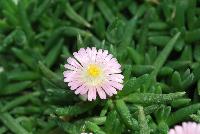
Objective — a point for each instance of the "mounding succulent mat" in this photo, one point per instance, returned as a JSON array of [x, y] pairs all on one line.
[[156, 42]]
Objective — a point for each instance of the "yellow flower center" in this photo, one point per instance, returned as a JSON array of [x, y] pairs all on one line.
[[93, 70]]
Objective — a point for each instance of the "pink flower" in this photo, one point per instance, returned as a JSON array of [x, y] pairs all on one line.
[[186, 128], [93, 71]]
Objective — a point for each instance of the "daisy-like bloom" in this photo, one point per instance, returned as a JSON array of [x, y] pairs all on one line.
[[93, 71], [186, 128]]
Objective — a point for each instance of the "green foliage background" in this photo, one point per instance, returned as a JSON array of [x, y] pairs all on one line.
[[155, 41]]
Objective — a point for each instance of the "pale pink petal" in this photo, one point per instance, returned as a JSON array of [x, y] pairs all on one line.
[[81, 56], [107, 90], [99, 55], [172, 131], [94, 52], [178, 129], [108, 58], [84, 91], [71, 77], [80, 89], [94, 93], [198, 128], [73, 62], [82, 52], [101, 93], [116, 85], [193, 127], [67, 73], [68, 79], [111, 70], [74, 84], [114, 78], [89, 53], [114, 65], [112, 89], [186, 128], [119, 76], [91, 94], [70, 67], [104, 54]]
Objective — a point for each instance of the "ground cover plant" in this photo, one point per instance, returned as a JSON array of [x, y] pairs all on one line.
[[156, 42]]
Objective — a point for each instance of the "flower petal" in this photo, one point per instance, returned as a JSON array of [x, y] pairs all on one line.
[[101, 93], [91, 94]]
